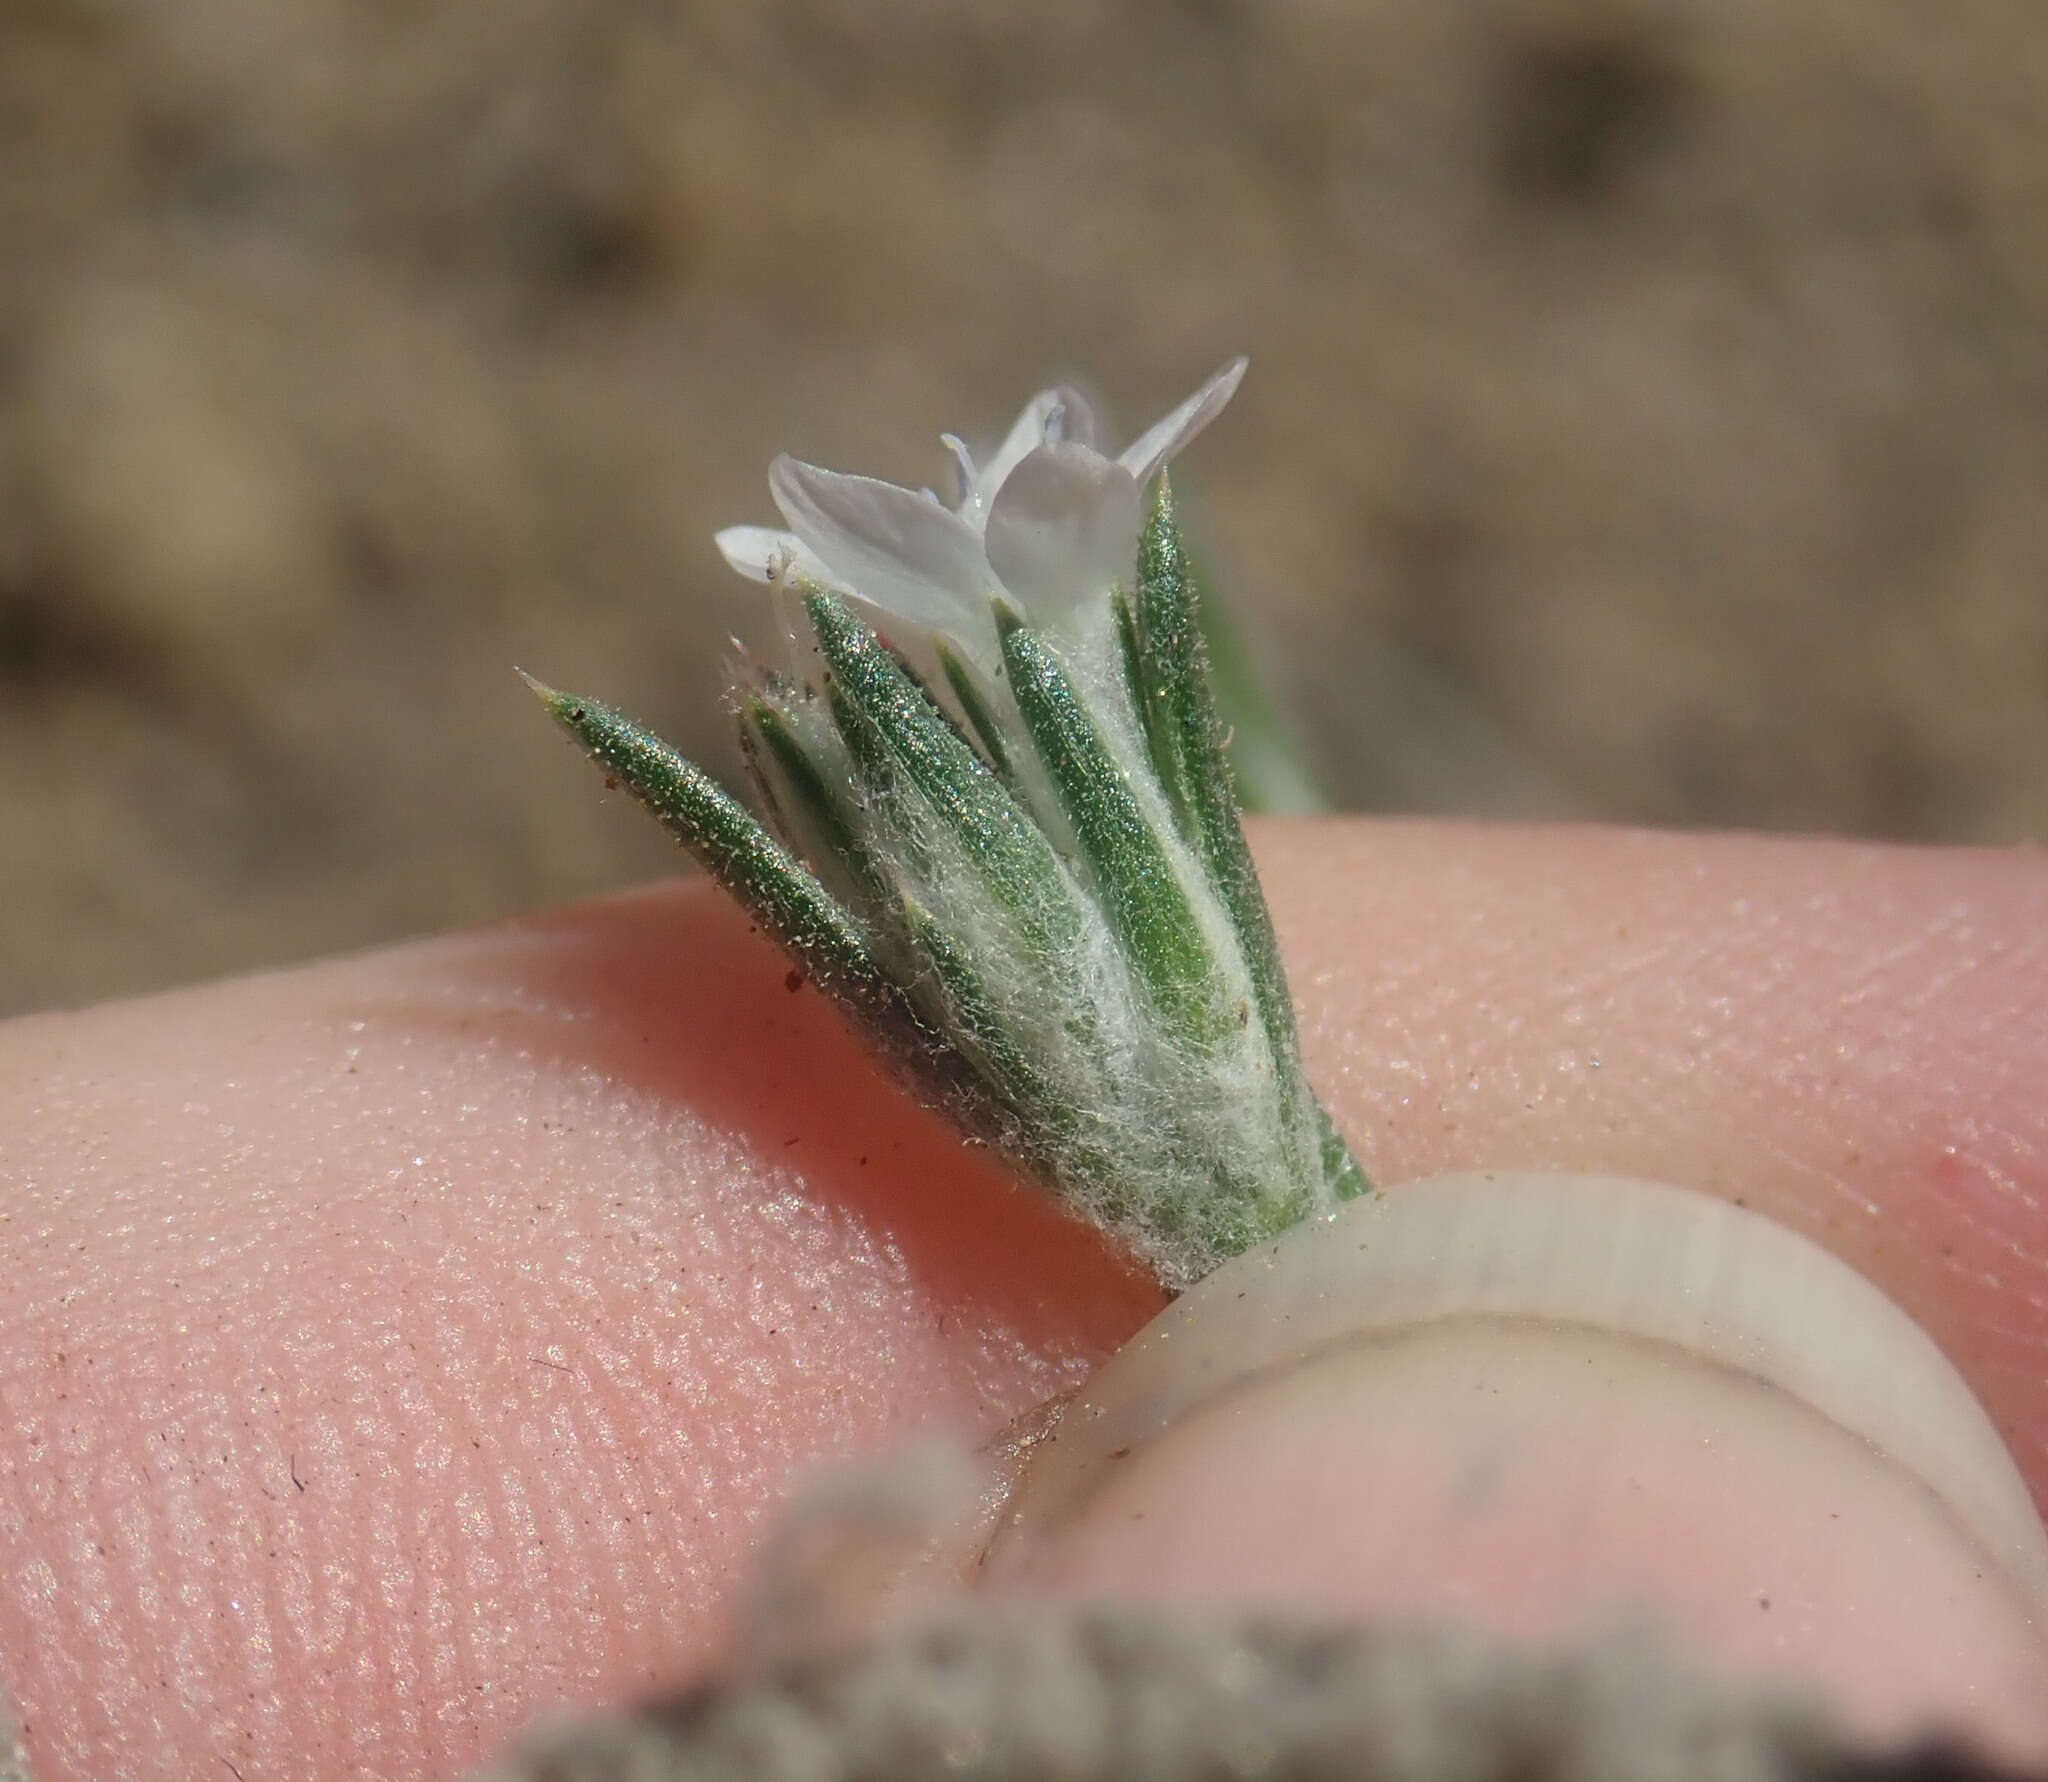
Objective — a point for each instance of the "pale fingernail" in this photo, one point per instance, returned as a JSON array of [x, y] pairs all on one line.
[[1553, 1407]]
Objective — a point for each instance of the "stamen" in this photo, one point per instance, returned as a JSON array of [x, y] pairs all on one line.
[[964, 473]]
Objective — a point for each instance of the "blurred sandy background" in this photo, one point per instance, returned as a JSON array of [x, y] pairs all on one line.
[[1648, 415]]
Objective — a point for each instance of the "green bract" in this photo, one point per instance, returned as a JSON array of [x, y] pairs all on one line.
[[1005, 840]]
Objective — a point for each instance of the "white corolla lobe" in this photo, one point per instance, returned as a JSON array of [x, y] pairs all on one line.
[[1049, 522]]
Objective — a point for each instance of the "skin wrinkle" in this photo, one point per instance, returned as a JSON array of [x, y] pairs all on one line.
[[413, 1249], [569, 1139]]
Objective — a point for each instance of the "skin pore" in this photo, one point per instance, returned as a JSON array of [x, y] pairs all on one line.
[[396, 1348]]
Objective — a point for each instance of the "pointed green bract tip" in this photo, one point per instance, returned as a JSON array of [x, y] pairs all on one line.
[[1162, 501], [564, 708]]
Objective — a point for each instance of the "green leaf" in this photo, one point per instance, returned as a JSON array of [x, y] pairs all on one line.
[[1147, 905], [1049, 1134], [745, 861], [983, 1034], [1178, 711], [983, 721], [885, 713], [815, 810], [1187, 747], [725, 836]]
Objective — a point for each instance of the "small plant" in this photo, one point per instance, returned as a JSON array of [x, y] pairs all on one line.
[[1001, 833]]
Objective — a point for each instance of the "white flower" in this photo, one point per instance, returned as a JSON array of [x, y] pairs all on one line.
[[1035, 898], [1048, 522]]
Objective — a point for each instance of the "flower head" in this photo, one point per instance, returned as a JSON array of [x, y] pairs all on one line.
[[1048, 523], [1030, 890]]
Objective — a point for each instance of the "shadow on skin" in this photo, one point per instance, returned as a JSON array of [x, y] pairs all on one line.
[[672, 997]]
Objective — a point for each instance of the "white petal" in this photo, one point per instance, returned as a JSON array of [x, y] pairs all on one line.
[[1076, 424], [965, 475], [1063, 528], [1160, 443], [758, 552], [899, 551]]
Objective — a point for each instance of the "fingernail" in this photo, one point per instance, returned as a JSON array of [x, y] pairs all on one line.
[[1557, 1407]]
